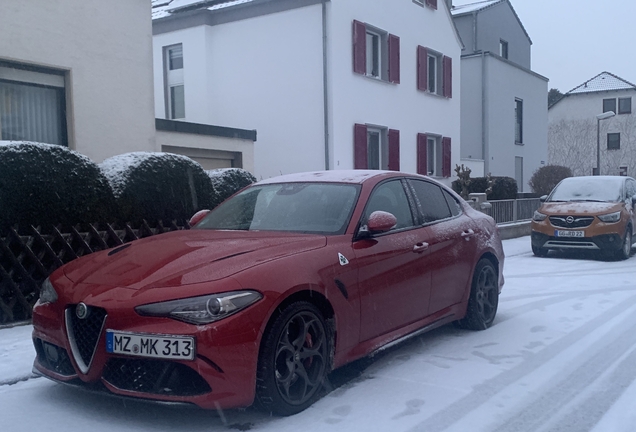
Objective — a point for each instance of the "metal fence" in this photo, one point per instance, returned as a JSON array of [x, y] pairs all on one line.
[[513, 210]]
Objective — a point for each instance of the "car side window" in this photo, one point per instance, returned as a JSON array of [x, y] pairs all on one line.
[[454, 206], [391, 197], [432, 201], [631, 188]]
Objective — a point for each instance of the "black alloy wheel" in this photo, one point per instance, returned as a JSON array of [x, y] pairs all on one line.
[[484, 297], [294, 360]]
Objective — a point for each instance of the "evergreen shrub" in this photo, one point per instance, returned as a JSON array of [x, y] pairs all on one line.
[[45, 185], [547, 177], [158, 186], [228, 181]]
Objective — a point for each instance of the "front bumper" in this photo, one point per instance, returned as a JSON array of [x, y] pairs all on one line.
[[606, 242], [222, 375]]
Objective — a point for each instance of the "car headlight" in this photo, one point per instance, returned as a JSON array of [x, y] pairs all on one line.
[[201, 310], [47, 292], [538, 217], [611, 218]]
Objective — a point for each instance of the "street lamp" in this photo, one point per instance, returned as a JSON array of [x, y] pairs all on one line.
[[605, 115]]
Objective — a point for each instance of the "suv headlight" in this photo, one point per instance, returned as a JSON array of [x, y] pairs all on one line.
[[47, 292], [201, 310], [538, 217], [611, 217]]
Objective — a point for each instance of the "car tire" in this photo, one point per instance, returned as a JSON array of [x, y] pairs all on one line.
[[484, 297], [294, 360], [626, 248], [539, 251]]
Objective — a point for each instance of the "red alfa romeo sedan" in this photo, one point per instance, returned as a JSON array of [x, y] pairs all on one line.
[[286, 280]]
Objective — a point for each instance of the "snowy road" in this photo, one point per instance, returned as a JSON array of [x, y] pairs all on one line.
[[561, 356]]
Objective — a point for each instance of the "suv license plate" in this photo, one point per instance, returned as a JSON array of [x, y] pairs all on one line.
[[150, 345], [559, 233]]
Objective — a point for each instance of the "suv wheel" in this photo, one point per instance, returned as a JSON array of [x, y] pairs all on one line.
[[626, 249]]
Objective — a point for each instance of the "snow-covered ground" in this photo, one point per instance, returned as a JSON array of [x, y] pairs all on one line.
[[561, 356]]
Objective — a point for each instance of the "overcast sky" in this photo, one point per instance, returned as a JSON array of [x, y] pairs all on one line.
[[574, 40]]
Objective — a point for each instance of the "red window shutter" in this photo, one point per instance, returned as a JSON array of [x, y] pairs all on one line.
[[448, 77], [432, 3], [446, 157], [360, 147], [394, 59], [394, 150], [422, 160], [422, 75], [359, 47]]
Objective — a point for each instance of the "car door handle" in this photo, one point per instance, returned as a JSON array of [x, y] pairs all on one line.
[[420, 247], [466, 234]]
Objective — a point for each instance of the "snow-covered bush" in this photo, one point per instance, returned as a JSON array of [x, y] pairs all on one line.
[[547, 177], [158, 186], [496, 188], [44, 184], [228, 181]]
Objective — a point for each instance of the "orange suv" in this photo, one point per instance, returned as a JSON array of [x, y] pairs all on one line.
[[593, 213]]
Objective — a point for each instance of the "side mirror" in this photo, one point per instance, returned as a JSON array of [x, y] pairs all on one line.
[[197, 217], [380, 222], [543, 198]]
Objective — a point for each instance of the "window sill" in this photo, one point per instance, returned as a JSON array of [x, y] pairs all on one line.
[[378, 79], [519, 143]]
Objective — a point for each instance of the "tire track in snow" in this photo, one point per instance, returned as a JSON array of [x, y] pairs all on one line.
[[547, 408], [485, 391]]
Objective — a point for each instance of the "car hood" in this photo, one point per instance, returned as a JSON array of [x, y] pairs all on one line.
[[186, 257], [579, 208]]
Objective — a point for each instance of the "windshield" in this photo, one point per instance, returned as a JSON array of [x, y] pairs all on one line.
[[605, 189], [294, 207]]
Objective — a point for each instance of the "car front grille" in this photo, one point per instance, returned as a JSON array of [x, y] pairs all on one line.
[[84, 334], [154, 377], [53, 358], [571, 221]]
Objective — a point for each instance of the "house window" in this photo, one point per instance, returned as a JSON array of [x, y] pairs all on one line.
[[175, 90], [32, 104], [433, 66], [374, 56], [609, 105], [518, 121], [503, 48], [376, 148], [613, 141], [376, 53], [434, 72], [625, 105], [431, 3], [433, 155]]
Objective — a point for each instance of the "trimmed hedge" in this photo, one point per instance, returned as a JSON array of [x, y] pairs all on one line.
[[501, 188], [158, 186], [547, 177], [228, 181], [44, 184]]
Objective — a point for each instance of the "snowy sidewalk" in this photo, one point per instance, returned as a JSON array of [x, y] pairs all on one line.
[[16, 354]]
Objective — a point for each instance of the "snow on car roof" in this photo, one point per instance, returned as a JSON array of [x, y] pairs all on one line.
[[332, 176]]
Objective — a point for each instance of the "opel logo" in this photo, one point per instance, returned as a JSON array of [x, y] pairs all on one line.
[[569, 219], [81, 310]]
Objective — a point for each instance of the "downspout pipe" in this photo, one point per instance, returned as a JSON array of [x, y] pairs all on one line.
[[325, 82]]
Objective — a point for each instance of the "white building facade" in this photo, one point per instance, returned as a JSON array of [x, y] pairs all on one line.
[[328, 84], [581, 126], [504, 103]]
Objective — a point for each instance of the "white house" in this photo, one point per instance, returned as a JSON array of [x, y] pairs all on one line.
[[79, 74], [504, 103], [582, 129], [328, 84]]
